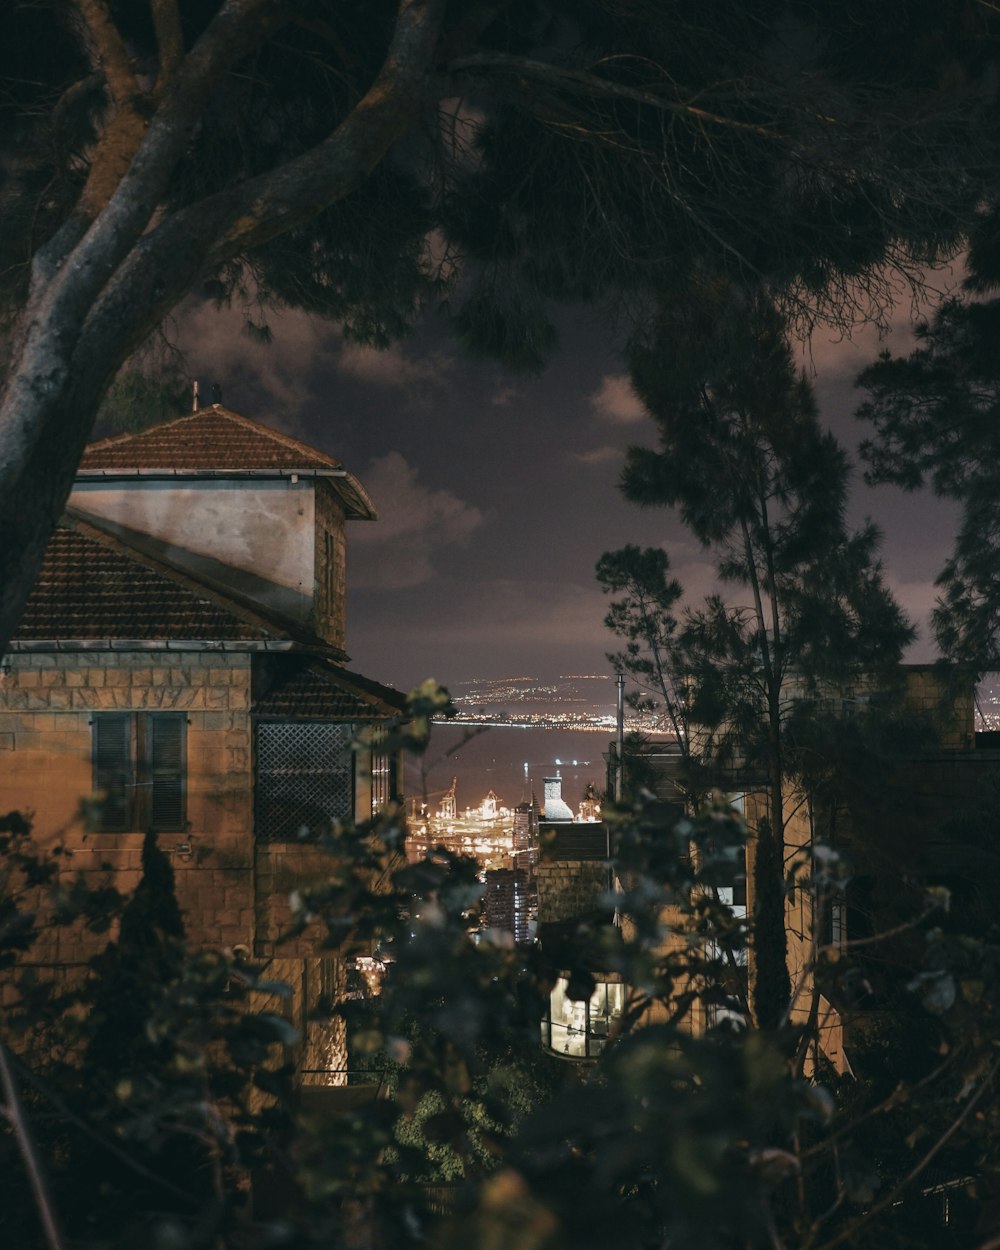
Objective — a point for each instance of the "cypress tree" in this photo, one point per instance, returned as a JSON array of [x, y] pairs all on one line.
[[132, 972]]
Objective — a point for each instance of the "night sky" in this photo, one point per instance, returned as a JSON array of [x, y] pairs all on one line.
[[497, 492]]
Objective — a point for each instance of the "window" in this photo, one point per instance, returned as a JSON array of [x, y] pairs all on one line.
[[140, 763], [383, 772], [580, 1030], [329, 572], [305, 778]]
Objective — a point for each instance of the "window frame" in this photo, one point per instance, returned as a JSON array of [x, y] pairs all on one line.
[[134, 771]]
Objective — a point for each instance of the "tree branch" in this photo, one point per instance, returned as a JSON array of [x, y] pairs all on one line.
[[13, 1112], [110, 52], [887, 1199], [63, 293], [169, 40], [204, 235], [592, 84]]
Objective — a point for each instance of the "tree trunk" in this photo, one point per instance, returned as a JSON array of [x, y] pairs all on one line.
[[99, 288]]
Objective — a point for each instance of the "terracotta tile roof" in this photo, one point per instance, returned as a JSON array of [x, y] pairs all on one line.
[[89, 589], [320, 691], [213, 438]]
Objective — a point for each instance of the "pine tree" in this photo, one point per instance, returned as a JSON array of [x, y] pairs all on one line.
[[935, 420], [743, 460]]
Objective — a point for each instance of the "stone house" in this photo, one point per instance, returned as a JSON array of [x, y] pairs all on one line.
[[180, 668]]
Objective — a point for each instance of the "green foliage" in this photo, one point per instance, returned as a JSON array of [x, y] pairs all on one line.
[[744, 462], [934, 414], [644, 618], [587, 171], [144, 393], [712, 1136]]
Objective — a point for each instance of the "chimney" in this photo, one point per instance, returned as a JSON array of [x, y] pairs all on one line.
[[554, 808], [194, 396]]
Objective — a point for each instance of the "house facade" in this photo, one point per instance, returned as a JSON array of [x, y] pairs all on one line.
[[180, 668]]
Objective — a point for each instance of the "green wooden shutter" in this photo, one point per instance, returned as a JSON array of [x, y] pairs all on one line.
[[113, 775], [166, 765]]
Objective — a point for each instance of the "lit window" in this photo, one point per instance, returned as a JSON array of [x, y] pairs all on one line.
[[383, 772], [580, 1030]]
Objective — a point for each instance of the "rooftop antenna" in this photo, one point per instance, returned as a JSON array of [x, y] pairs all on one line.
[[194, 396]]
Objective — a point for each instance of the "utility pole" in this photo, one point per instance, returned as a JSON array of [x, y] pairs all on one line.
[[620, 750]]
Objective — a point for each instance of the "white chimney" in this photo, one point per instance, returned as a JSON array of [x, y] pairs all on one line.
[[554, 808]]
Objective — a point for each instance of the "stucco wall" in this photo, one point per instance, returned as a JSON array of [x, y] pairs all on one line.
[[266, 530]]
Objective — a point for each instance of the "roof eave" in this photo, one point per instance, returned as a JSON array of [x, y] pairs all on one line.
[[357, 502], [149, 644]]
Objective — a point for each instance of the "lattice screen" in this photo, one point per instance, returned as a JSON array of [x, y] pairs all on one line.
[[305, 778]]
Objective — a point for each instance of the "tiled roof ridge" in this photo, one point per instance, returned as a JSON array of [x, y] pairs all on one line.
[[264, 431], [367, 687], [243, 612], [305, 691]]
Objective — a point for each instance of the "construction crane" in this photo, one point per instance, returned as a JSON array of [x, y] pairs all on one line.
[[449, 802]]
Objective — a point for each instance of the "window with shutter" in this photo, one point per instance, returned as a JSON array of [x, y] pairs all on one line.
[[166, 758], [140, 766], [114, 774]]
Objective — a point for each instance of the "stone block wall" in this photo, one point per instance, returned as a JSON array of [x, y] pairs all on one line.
[[953, 715], [569, 888], [231, 892], [281, 869], [329, 588], [46, 704]]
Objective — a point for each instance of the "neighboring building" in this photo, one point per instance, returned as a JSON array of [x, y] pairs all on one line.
[[926, 821], [181, 661], [506, 903], [574, 880], [525, 833]]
